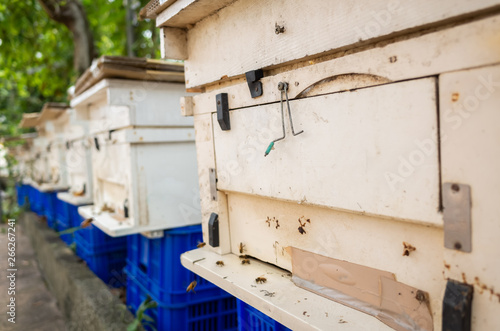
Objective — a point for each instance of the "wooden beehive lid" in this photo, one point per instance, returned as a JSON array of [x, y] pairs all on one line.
[[29, 120], [51, 111], [128, 68], [181, 14]]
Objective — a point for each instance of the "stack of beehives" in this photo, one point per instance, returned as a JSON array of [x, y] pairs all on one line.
[[346, 152]]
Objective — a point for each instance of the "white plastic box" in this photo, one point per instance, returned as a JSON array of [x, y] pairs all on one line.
[[143, 157], [367, 208]]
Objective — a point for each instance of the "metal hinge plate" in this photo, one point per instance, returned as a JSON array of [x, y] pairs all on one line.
[[213, 184], [457, 217]]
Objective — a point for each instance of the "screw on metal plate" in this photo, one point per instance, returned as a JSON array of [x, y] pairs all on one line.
[[213, 183], [283, 87], [457, 216]]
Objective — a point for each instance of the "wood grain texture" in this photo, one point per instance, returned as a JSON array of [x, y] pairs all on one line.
[[370, 151], [465, 46], [241, 36], [470, 155]]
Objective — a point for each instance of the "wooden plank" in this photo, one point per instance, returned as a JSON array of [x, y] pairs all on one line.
[[218, 49], [206, 161], [470, 155], [469, 45], [368, 241], [183, 13], [373, 150], [173, 44], [128, 68], [279, 298]]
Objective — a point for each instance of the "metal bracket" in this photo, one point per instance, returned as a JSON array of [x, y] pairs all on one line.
[[253, 81], [110, 132], [213, 183], [213, 230], [457, 306], [456, 215], [96, 143], [223, 111], [125, 208]]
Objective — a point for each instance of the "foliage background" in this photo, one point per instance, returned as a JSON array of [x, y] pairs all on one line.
[[36, 64], [36, 53]]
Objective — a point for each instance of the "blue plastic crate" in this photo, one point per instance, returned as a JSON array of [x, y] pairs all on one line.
[[212, 314], [61, 212], [35, 200], [108, 265], [22, 194], [49, 208], [156, 263], [251, 319]]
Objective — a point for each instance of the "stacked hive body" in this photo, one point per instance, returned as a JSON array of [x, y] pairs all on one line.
[[338, 144], [145, 190], [143, 157], [79, 172], [48, 169]]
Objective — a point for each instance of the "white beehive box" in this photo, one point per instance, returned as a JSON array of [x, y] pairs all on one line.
[[112, 104], [143, 157], [53, 121], [23, 153], [397, 127], [37, 172], [78, 162]]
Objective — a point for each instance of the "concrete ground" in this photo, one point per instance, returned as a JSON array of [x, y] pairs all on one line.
[[36, 307]]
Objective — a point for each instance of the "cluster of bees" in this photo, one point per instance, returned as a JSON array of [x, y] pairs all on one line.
[[244, 260]]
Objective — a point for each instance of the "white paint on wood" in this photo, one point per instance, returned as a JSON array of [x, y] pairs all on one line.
[[191, 11], [113, 104], [470, 118], [465, 46], [157, 177], [173, 43], [279, 298], [241, 36], [370, 151], [187, 106]]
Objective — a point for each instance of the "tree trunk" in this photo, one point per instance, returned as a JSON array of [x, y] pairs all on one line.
[[72, 14]]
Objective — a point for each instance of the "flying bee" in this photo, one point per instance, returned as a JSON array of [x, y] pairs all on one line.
[[191, 286], [268, 221], [200, 245], [242, 248], [220, 263], [277, 224], [260, 280], [86, 222], [245, 261]]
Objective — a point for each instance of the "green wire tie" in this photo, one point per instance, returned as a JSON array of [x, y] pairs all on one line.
[[269, 148]]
